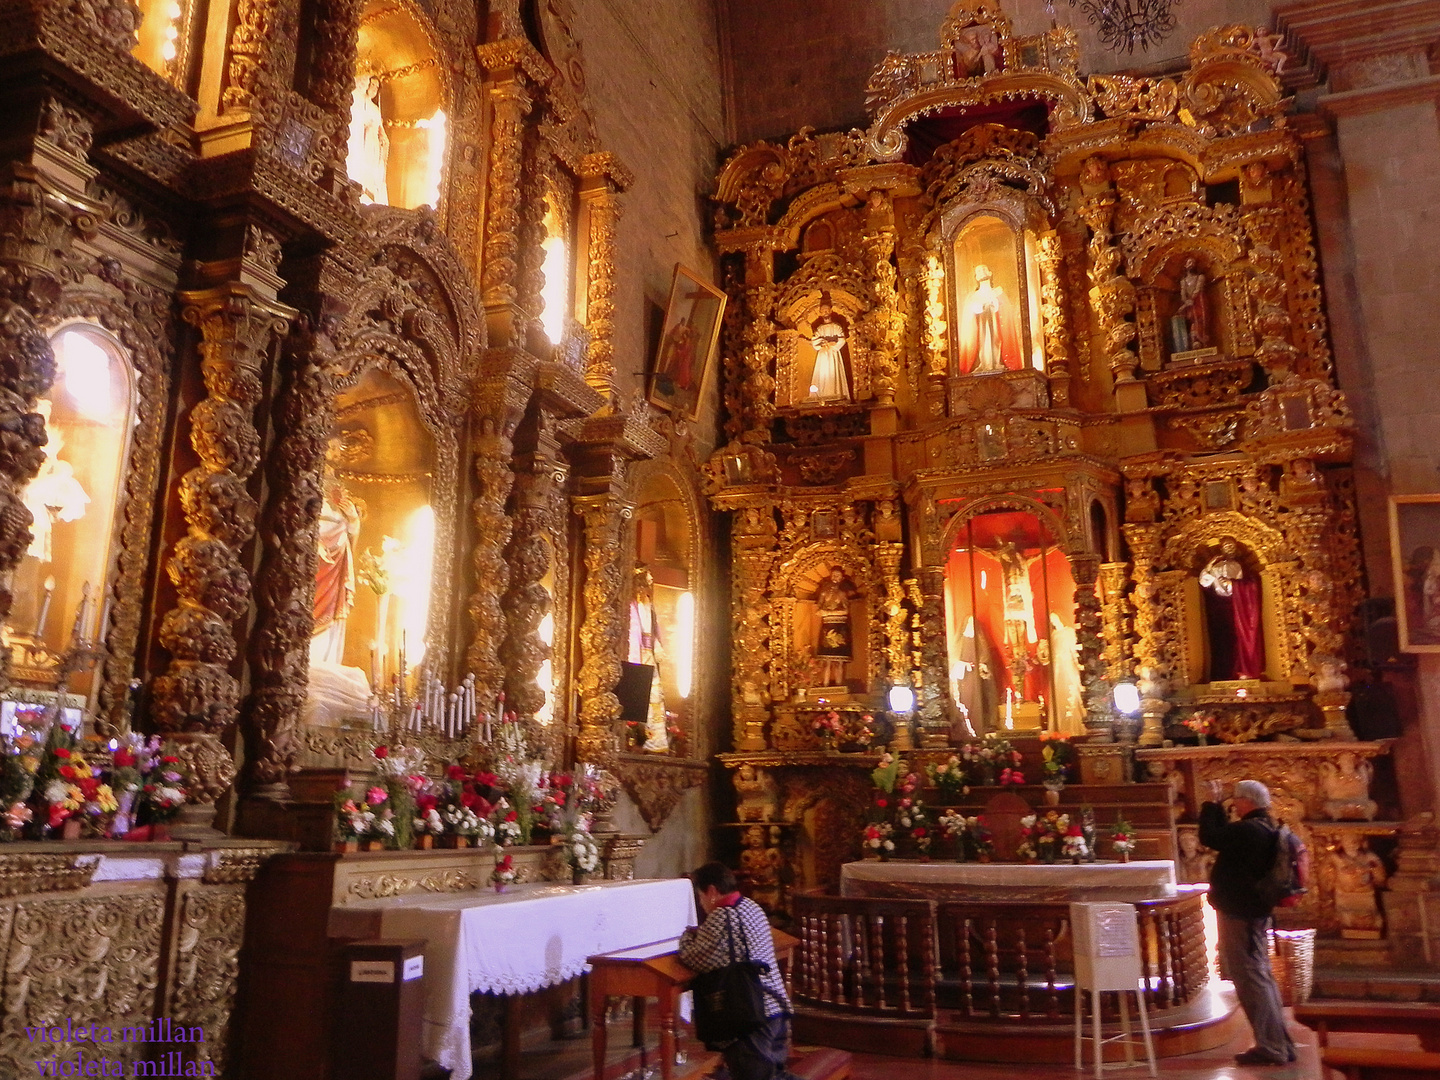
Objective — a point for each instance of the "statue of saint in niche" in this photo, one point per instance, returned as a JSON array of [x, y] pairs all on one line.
[[1232, 617], [835, 643], [827, 379], [340, 518], [1190, 325], [645, 648], [1355, 873], [55, 494], [368, 152], [989, 328]]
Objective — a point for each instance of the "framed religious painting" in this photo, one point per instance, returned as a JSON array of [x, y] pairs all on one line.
[[1415, 548], [687, 342]]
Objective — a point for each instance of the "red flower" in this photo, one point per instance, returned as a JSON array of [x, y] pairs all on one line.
[[919, 831], [169, 761], [67, 771], [512, 816], [455, 772], [882, 802], [382, 752], [124, 758], [424, 804], [61, 752]]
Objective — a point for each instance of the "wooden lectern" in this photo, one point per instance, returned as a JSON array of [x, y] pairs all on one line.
[[648, 971]]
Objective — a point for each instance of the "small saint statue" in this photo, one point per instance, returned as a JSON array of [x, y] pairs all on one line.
[[835, 645], [1232, 616], [1190, 326], [827, 378]]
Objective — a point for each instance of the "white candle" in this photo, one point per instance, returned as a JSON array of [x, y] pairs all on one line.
[[45, 606], [1009, 708]]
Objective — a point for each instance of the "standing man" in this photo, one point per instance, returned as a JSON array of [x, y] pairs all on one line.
[[1246, 849], [761, 1054]]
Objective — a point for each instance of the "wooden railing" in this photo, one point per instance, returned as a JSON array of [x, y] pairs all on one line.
[[1007, 962]]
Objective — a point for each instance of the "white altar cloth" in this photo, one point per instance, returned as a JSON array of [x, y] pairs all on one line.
[[524, 939], [1149, 879]]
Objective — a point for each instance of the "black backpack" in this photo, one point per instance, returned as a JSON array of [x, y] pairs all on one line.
[[729, 1001], [1288, 878]]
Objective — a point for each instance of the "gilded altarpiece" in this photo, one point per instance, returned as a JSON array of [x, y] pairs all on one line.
[[1028, 393]]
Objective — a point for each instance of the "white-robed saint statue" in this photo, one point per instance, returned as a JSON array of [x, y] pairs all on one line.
[[989, 328], [827, 378], [368, 152]]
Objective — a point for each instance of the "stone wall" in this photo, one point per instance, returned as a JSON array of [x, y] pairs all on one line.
[[654, 86]]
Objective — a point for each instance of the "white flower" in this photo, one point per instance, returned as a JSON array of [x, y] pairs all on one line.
[[889, 845]]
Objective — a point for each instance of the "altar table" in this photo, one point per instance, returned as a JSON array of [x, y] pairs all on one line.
[[519, 941], [1150, 879]]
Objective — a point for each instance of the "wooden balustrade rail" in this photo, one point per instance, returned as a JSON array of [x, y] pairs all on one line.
[[1010, 962]]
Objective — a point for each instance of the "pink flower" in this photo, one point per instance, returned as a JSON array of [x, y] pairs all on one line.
[[376, 795]]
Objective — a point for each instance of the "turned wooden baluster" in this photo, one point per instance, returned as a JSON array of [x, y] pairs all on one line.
[[932, 967], [877, 960], [902, 959], [862, 959], [836, 952], [1022, 971], [1168, 973], [1147, 971], [967, 969], [1052, 998], [992, 965], [823, 957], [808, 948]]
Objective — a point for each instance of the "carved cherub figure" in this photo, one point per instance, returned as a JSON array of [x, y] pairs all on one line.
[[755, 792], [1346, 785]]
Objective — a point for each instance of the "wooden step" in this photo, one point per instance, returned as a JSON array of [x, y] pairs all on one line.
[[1362, 1063]]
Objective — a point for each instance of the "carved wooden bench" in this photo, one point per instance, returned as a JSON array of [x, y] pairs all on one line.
[[1376, 1017], [1362, 1063]]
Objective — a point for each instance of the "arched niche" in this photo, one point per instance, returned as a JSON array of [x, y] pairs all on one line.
[[62, 587], [821, 361], [991, 255], [826, 610], [1011, 624], [662, 648], [1232, 616], [1264, 563], [400, 109], [376, 576]]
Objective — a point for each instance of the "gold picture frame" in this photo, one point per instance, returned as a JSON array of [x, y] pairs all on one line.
[[1415, 554], [687, 343]]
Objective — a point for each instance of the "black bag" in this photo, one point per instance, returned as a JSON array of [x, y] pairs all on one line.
[[729, 1001], [1288, 878]]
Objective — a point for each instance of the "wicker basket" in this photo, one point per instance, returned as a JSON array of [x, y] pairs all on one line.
[[1292, 959]]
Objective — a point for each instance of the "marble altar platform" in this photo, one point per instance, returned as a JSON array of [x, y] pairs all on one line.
[[1031, 883]]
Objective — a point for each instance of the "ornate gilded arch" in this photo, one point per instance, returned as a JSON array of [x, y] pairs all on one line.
[[140, 319], [1069, 539]]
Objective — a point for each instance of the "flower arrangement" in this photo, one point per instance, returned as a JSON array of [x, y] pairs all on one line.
[[1011, 777], [948, 777], [911, 817], [504, 872], [982, 840], [990, 755], [521, 775], [953, 825], [1056, 756], [827, 727], [1122, 838], [506, 824], [1041, 833], [879, 838], [582, 851], [1202, 724]]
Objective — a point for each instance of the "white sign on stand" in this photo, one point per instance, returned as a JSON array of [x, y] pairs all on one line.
[[1107, 958]]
